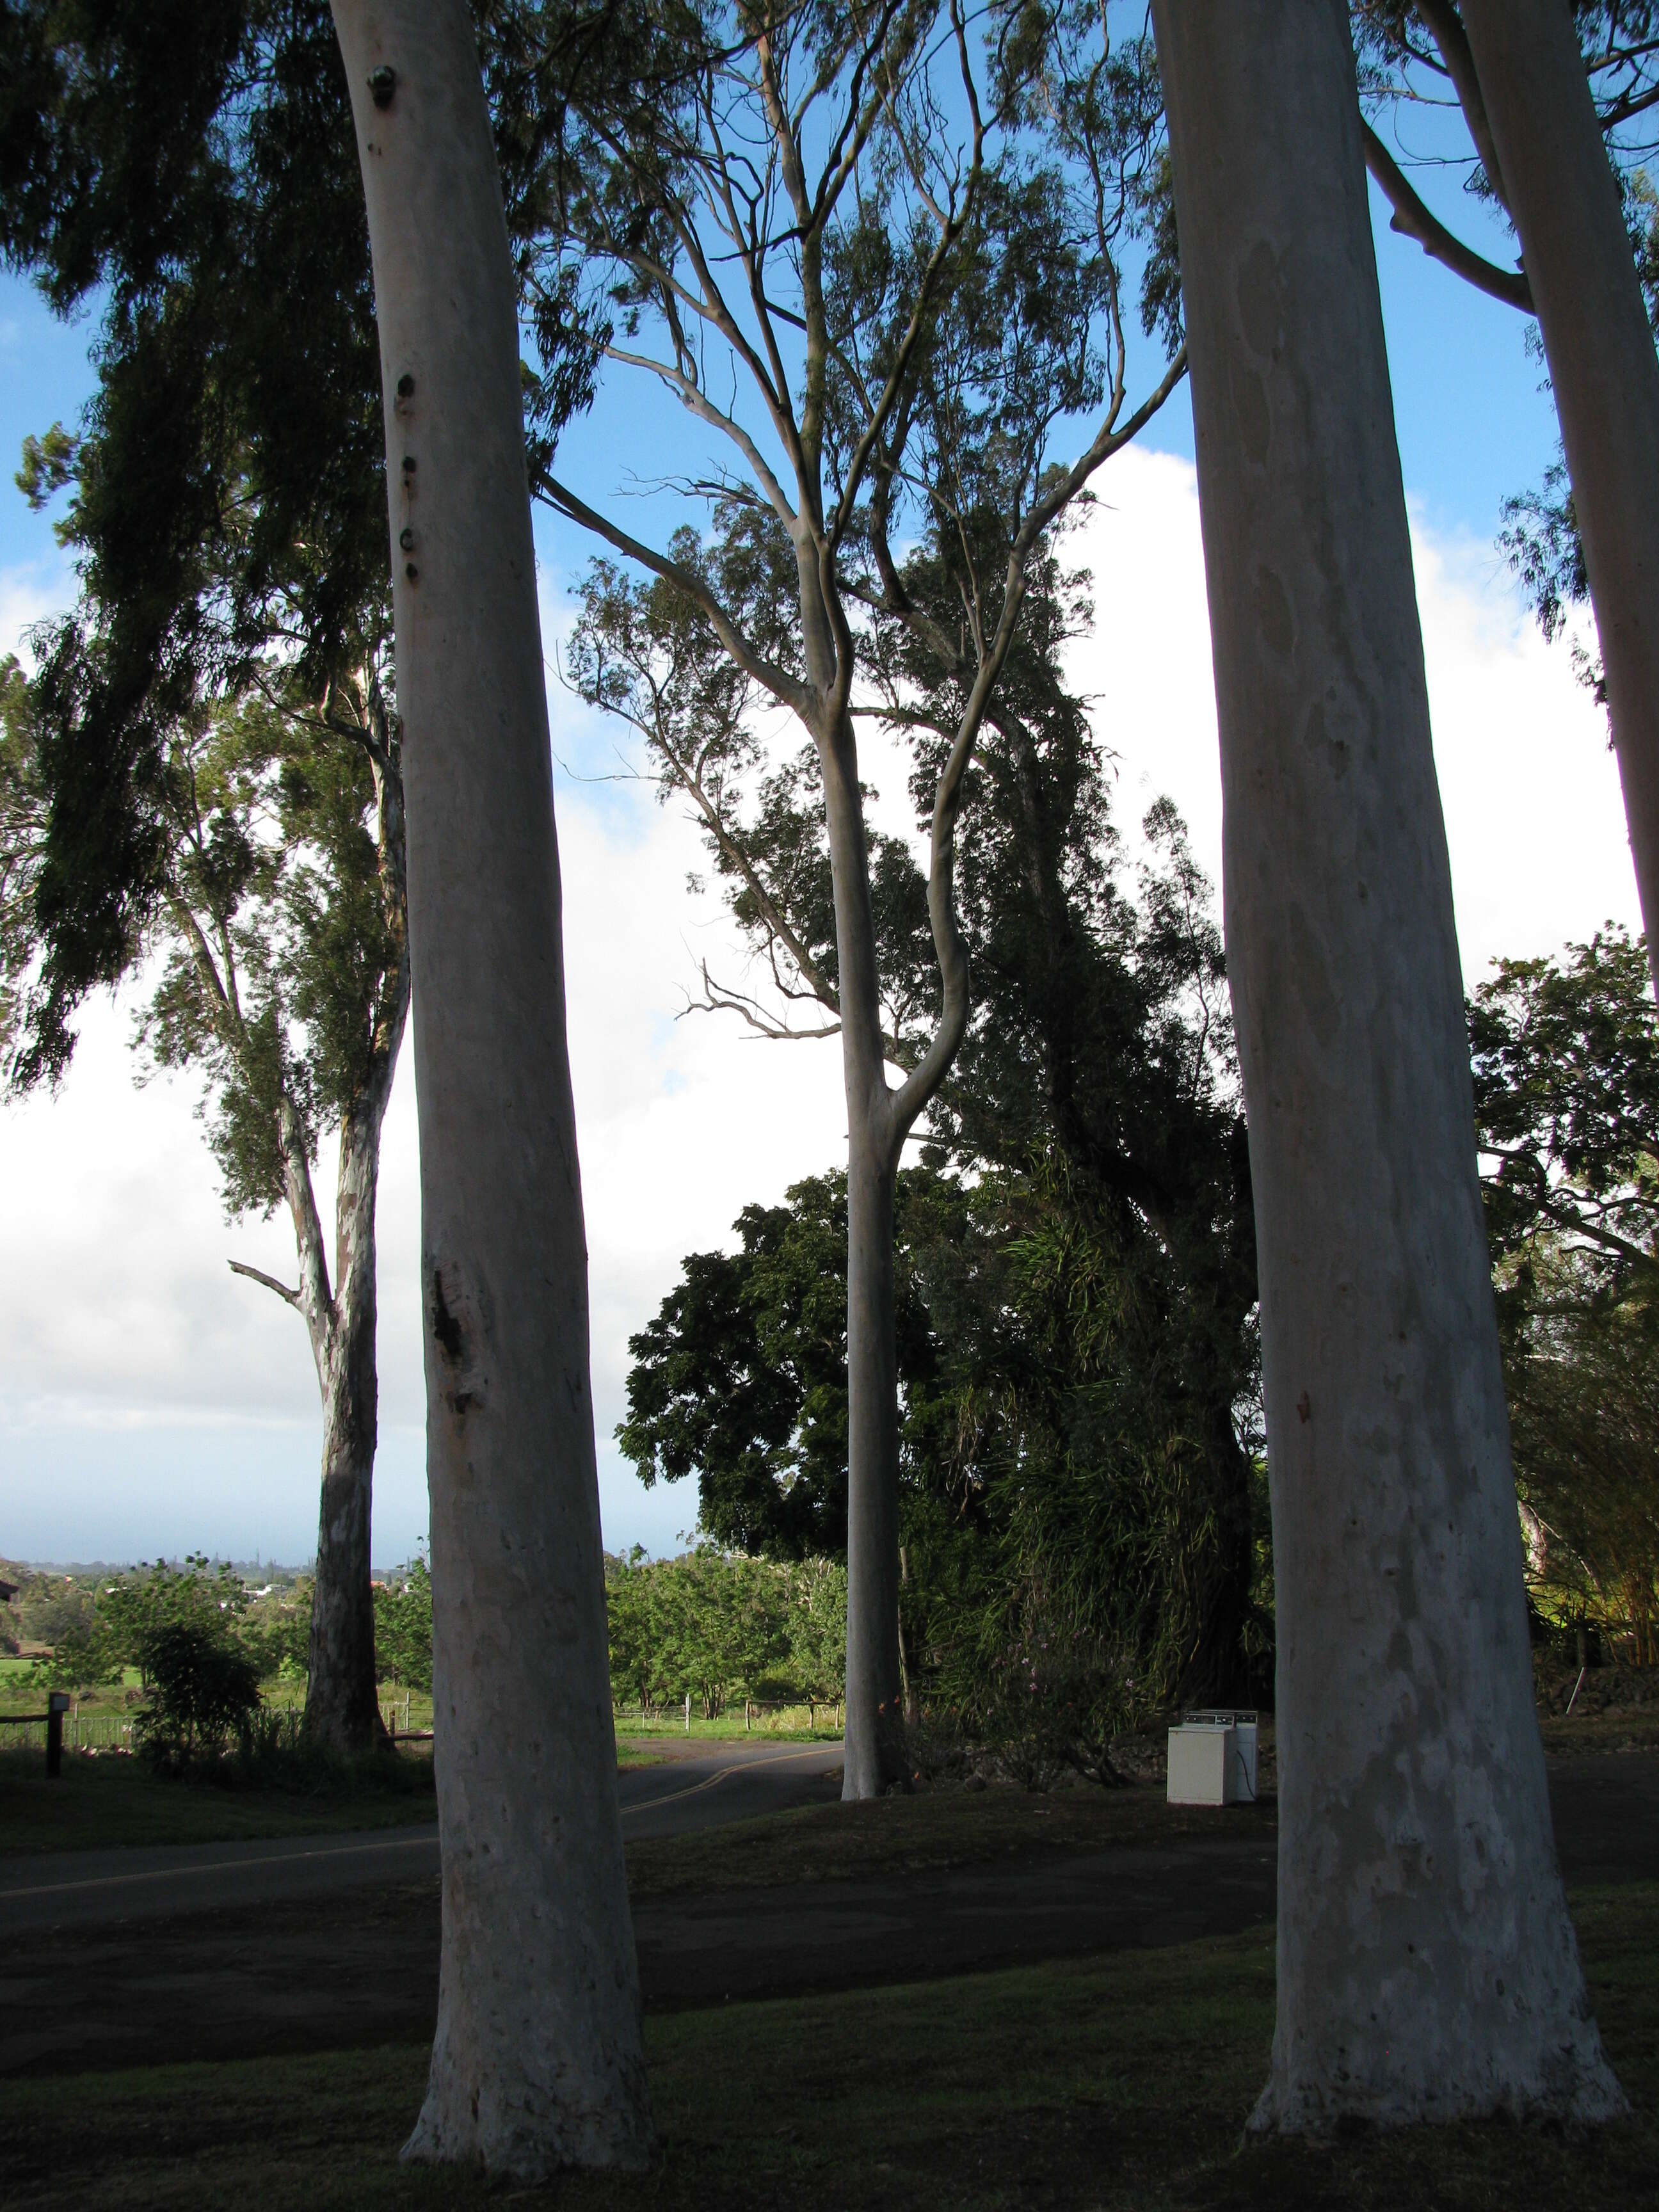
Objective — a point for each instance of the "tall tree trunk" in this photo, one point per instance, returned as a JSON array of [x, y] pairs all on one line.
[[1564, 201], [342, 1707], [537, 2061], [873, 1743], [1427, 1965]]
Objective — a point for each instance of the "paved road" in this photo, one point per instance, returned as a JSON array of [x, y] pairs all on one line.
[[703, 1787]]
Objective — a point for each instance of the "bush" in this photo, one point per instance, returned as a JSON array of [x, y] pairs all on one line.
[[403, 1627], [204, 1694]]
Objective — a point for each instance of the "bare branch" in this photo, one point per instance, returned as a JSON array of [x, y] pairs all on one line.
[[717, 999], [1411, 219], [696, 401], [257, 1275], [778, 681]]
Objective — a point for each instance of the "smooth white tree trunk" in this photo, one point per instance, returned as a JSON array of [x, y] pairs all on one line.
[[538, 2062], [1565, 203], [1427, 1968]]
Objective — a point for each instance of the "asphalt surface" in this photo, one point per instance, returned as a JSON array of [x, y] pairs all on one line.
[[703, 1787]]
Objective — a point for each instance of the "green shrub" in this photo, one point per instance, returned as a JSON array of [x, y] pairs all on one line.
[[204, 1693]]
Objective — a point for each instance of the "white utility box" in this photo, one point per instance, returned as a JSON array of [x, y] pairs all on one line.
[[1212, 1760]]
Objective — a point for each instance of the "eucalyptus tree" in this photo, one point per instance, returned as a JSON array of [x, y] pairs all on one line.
[[213, 771], [836, 216], [279, 915], [537, 2060], [1552, 95], [1427, 1966], [198, 163]]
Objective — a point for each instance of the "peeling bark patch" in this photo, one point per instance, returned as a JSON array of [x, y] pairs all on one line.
[[1304, 1408]]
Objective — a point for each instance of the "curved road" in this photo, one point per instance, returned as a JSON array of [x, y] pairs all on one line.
[[704, 1786]]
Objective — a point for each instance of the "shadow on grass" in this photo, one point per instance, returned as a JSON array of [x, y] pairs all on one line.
[[102, 1801], [1117, 2082]]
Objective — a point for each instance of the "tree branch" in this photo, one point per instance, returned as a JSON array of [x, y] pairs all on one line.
[[1445, 26], [778, 681], [257, 1275], [1412, 220], [718, 1000]]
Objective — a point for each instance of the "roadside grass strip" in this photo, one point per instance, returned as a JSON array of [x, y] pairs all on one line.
[[1113, 2081], [101, 1803]]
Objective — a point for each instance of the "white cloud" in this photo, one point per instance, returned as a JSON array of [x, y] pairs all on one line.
[[1534, 816], [148, 1399]]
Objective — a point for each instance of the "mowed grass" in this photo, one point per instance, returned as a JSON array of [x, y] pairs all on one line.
[[1114, 2083], [103, 1802], [930, 1832]]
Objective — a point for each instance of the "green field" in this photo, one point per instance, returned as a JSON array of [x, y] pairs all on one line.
[[1119, 2082]]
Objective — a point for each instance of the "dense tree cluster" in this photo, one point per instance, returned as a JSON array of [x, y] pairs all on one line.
[[709, 1626]]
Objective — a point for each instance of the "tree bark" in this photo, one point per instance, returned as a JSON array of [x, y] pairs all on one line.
[[537, 2061], [342, 1707], [1564, 202], [1427, 1968], [873, 1749]]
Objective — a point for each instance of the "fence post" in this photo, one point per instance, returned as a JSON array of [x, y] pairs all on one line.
[[56, 1706]]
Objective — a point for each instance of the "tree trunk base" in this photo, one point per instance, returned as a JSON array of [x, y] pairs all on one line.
[[529, 2132], [1568, 2085]]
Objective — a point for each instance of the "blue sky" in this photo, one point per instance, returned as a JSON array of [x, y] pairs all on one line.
[[148, 1404]]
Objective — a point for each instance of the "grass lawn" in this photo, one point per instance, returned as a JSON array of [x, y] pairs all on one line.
[[1120, 2081], [928, 1833], [1617, 1731], [97, 1804]]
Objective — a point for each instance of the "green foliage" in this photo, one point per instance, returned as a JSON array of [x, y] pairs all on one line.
[[197, 171], [1565, 1057], [817, 1629], [1076, 1286], [99, 1628], [711, 1625], [203, 1691], [192, 170], [284, 927], [741, 1378], [402, 1627]]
